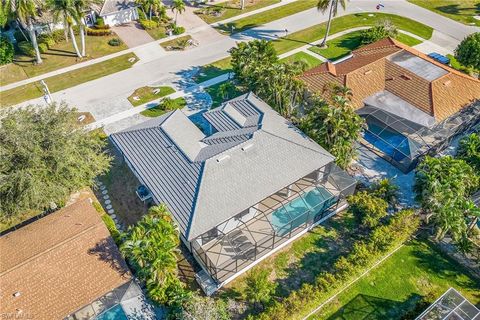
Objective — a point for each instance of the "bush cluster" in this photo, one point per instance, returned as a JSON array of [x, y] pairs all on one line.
[[367, 208], [398, 229], [115, 42], [177, 30], [98, 32], [26, 48], [6, 51], [148, 24], [380, 31], [46, 39]]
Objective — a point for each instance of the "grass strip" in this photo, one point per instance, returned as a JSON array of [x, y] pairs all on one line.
[[462, 11], [66, 80], [213, 70], [147, 94], [230, 9], [267, 16], [176, 44], [156, 111], [309, 60]]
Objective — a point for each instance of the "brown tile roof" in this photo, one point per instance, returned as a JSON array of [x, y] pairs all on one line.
[[440, 98], [59, 264]]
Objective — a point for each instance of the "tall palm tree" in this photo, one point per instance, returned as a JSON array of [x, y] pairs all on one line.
[[178, 6], [65, 11], [332, 5], [25, 11], [242, 4], [81, 7]]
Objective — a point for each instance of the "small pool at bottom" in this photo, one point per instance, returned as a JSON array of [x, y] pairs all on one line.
[[392, 143], [114, 313], [318, 199]]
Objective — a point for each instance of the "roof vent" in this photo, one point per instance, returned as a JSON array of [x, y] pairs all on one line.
[[223, 158], [247, 147], [367, 72], [17, 294], [405, 77], [447, 83]]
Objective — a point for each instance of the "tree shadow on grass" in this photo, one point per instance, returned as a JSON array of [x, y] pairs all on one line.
[[364, 307], [457, 10], [58, 52]]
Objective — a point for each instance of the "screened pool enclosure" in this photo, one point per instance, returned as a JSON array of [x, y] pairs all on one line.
[[403, 142], [238, 242]]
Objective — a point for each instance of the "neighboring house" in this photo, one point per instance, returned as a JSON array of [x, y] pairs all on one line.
[[246, 185], [451, 306], [65, 265], [115, 12], [412, 104]]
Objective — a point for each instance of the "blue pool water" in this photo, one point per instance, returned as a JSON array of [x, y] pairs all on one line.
[[312, 200], [115, 313], [392, 143]]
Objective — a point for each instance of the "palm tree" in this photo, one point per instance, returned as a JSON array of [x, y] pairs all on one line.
[[25, 11], [242, 4], [178, 6], [151, 247], [81, 7], [322, 6], [224, 89], [65, 11]]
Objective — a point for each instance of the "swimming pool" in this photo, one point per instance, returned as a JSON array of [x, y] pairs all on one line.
[[295, 211], [390, 142], [114, 313]]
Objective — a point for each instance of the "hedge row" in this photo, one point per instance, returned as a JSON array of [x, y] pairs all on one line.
[[98, 32], [365, 253]]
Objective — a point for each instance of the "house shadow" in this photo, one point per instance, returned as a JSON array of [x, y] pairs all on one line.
[[366, 307]]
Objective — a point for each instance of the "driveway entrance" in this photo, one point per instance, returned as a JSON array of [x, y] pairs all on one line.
[[132, 34]]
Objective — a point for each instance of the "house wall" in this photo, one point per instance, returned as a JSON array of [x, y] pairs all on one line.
[[408, 86], [366, 81], [451, 93], [121, 17]]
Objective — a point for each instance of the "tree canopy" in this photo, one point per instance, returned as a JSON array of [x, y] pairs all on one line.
[[45, 155], [468, 51], [469, 150], [151, 248]]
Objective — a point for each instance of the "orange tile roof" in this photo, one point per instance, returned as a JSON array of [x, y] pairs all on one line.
[[59, 264], [440, 98]]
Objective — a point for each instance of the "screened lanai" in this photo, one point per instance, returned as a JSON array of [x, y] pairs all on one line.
[[451, 306], [253, 233], [402, 142]]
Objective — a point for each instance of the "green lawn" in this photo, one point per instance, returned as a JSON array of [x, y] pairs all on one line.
[[343, 45], [66, 80], [393, 288], [157, 33], [459, 10], [59, 56], [213, 70], [267, 16], [158, 111], [176, 44], [214, 92], [314, 33], [231, 9], [309, 60], [147, 94]]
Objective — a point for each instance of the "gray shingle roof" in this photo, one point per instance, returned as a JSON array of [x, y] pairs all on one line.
[[112, 6], [208, 180]]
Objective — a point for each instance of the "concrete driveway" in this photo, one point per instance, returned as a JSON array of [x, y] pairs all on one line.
[[132, 34]]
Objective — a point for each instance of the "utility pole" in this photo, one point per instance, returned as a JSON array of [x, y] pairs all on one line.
[[46, 93]]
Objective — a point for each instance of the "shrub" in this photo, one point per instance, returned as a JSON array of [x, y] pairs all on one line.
[[385, 190], [98, 32], [99, 22], [148, 24], [367, 208], [115, 42], [112, 228], [6, 51], [42, 47], [259, 288], [58, 35], [380, 31], [26, 48], [178, 30], [468, 51], [46, 39]]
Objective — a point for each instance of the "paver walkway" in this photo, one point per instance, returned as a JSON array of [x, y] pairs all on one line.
[[132, 34]]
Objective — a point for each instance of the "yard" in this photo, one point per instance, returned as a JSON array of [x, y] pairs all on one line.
[[267, 16], [66, 80], [146, 94], [309, 60], [462, 11], [343, 45], [216, 93], [305, 258], [217, 12], [393, 289], [180, 43], [158, 110], [61, 55], [213, 70]]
